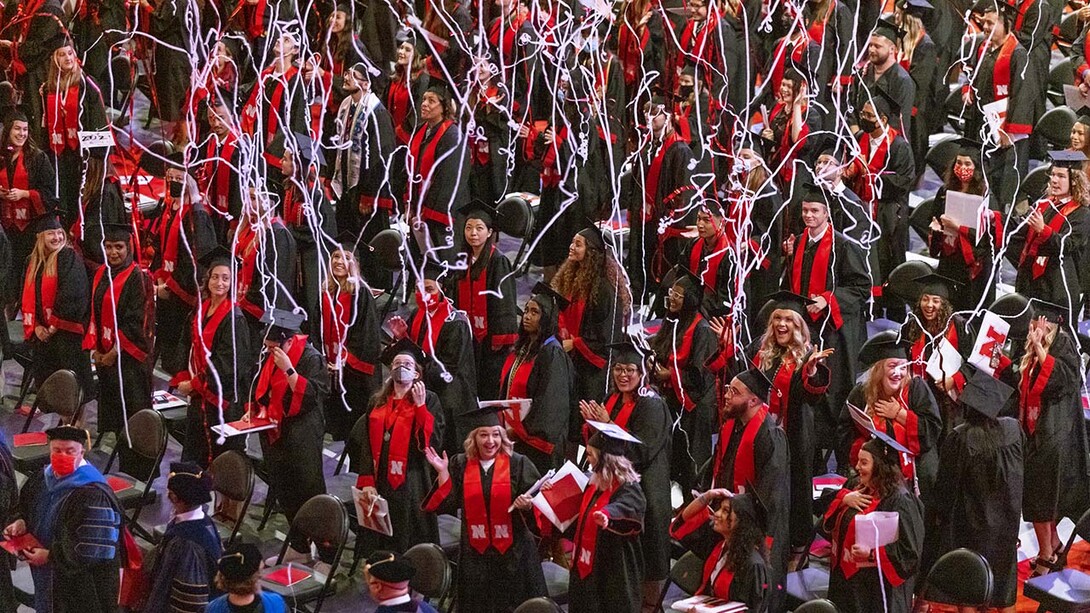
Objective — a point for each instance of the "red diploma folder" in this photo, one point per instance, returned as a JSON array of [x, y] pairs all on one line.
[[31, 439], [254, 422], [287, 576], [117, 484], [20, 543], [564, 497]]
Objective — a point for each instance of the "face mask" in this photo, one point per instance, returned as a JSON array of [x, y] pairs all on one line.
[[62, 463], [175, 189], [403, 375], [685, 90], [592, 45], [426, 300], [868, 125], [964, 173]]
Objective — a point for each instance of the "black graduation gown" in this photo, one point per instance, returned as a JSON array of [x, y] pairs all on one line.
[[352, 386], [294, 458], [704, 254], [898, 83], [851, 217], [451, 372], [9, 503], [110, 208], [613, 584], [923, 347], [410, 525], [273, 277], [860, 593], [924, 71], [601, 325], [495, 328], [170, 28], [127, 384], [765, 236], [967, 260], [1061, 253], [748, 585], [1039, 22], [41, 182], [313, 231], [64, 350], [221, 205], [549, 387], [979, 503], [185, 567], [446, 190], [45, 32], [517, 572]]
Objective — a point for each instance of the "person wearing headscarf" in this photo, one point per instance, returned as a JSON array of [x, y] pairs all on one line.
[[487, 487], [187, 555]]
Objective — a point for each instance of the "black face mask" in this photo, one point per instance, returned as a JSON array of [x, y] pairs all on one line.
[[175, 189], [868, 125], [685, 90]]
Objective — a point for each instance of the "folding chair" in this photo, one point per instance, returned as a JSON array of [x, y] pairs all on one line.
[[324, 521], [433, 576], [538, 605], [961, 578], [148, 438], [59, 394], [1066, 590]]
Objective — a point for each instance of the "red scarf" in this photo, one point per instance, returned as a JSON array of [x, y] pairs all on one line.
[[491, 526], [246, 248], [586, 533], [170, 235], [30, 302], [745, 467], [273, 384], [255, 25], [678, 359], [571, 324], [654, 173], [474, 301], [871, 163], [336, 317], [708, 265], [1031, 386], [1053, 227], [631, 42], [919, 360], [1001, 73], [62, 120], [844, 533], [618, 415], [204, 335], [17, 215], [421, 164], [716, 583], [516, 388], [217, 173], [907, 435], [819, 273], [103, 340], [425, 327], [400, 419], [253, 105]]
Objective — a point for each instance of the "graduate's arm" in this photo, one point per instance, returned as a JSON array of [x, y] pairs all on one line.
[[1023, 88], [923, 421], [625, 510], [502, 310], [73, 294], [43, 185], [900, 559], [311, 384], [551, 381], [360, 459], [446, 498], [695, 531]]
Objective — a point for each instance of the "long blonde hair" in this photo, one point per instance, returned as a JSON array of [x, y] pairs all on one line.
[[613, 471], [1029, 356], [55, 81], [352, 281], [40, 256], [770, 350], [470, 444], [913, 28], [873, 387]]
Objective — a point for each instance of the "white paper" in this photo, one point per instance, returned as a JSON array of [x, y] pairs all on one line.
[[96, 140], [523, 405], [542, 505], [860, 417], [228, 431], [1074, 99], [535, 488], [964, 209], [708, 604], [372, 513], [876, 529], [944, 362], [993, 334], [161, 401], [995, 113]]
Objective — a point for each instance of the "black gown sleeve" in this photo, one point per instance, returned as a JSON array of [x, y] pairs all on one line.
[[73, 291]]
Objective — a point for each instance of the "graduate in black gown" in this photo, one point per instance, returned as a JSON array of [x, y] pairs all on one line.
[[266, 251], [386, 449], [538, 370], [607, 564], [727, 531], [485, 290], [289, 390], [709, 256], [854, 584], [497, 545], [979, 505], [752, 454], [444, 334], [186, 557], [350, 341], [74, 515], [119, 334], [643, 413]]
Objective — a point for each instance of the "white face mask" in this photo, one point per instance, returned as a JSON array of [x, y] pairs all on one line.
[[403, 374]]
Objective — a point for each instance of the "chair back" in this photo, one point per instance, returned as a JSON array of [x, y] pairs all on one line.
[[1055, 126], [432, 578], [538, 605], [1034, 184], [233, 479], [324, 520], [817, 606], [920, 218], [387, 249], [941, 156], [121, 76], [688, 572], [961, 577], [148, 435], [516, 214], [59, 394], [1082, 529]]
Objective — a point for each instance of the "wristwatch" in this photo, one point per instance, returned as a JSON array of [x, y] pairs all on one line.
[[289, 372]]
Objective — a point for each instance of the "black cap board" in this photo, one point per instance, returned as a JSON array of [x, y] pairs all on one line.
[[116, 232], [1084, 118], [389, 566], [625, 352], [810, 192], [46, 222], [282, 324], [1051, 311], [1067, 159], [479, 209], [883, 103], [481, 417], [69, 433], [889, 30], [919, 8], [880, 448], [545, 290], [934, 284], [441, 91], [985, 394], [756, 382], [712, 207], [190, 483], [885, 345], [403, 347], [239, 562], [992, 6], [1015, 309], [786, 300], [750, 506], [902, 279], [969, 148], [216, 256], [592, 234], [610, 438]]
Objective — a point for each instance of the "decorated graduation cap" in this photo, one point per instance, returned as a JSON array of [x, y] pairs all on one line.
[[116, 232], [479, 209], [592, 234], [756, 382], [46, 222], [239, 562], [888, 30], [1051, 311], [610, 438], [545, 291], [389, 566], [1015, 309], [190, 483], [1067, 159], [785, 300], [282, 324], [69, 433], [625, 352], [883, 451], [985, 394], [885, 345], [403, 347], [934, 284], [480, 417]]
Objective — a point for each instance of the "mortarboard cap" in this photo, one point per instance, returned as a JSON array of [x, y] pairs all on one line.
[[308, 149], [282, 324], [216, 256], [116, 232], [985, 394], [479, 209], [885, 345], [759, 144], [786, 300], [592, 234], [838, 152], [1051, 311], [441, 91], [625, 352], [993, 6], [389, 566], [750, 506], [883, 103], [69, 433], [403, 347], [610, 438], [935, 284], [919, 8], [348, 240], [46, 222], [712, 207], [902, 280], [889, 30], [1015, 309], [240, 562], [544, 290], [190, 483], [1084, 117], [1067, 159], [970, 148], [386, 248], [480, 417], [810, 192], [756, 381], [880, 449]]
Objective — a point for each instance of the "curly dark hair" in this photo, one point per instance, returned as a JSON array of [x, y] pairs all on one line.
[[914, 330], [745, 537], [578, 280], [886, 476]]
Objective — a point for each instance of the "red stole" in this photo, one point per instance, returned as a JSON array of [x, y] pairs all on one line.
[[396, 421], [873, 163], [780, 397], [397, 101], [1031, 386], [425, 328], [844, 531], [204, 335], [1053, 227], [516, 388], [745, 467], [16, 214], [919, 361], [170, 235], [49, 297], [422, 161], [708, 265], [654, 172], [273, 382], [571, 324], [586, 533], [716, 583], [819, 272], [678, 359], [336, 317], [473, 300], [253, 105], [62, 120], [103, 340], [217, 172], [491, 526], [623, 414], [631, 42], [1001, 73]]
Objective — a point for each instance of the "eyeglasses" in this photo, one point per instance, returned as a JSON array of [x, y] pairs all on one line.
[[625, 370]]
